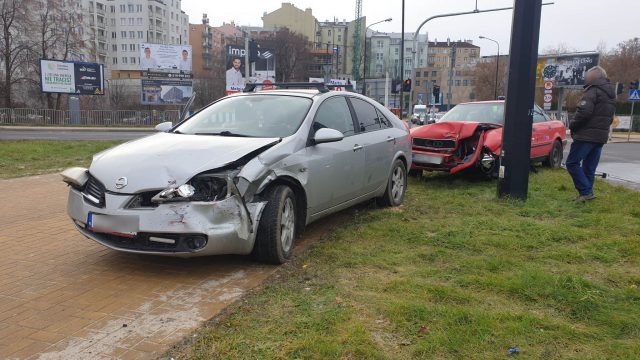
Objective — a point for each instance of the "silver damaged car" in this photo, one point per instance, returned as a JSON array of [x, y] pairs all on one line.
[[243, 175]]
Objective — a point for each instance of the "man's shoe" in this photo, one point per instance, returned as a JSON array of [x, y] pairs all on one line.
[[585, 198]]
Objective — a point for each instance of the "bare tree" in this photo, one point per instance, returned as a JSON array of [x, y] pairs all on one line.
[[14, 49], [622, 62], [57, 39], [292, 53], [485, 79]]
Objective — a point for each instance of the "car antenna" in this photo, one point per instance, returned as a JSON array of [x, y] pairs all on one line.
[[185, 109]]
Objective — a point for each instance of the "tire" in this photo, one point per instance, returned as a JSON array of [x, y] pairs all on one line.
[[277, 227], [554, 160], [396, 186]]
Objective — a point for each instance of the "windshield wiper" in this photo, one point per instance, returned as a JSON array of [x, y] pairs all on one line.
[[224, 133]]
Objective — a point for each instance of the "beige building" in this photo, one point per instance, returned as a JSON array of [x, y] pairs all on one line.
[[335, 37], [459, 78]]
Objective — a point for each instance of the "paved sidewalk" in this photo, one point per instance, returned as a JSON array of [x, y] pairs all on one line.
[[63, 296]]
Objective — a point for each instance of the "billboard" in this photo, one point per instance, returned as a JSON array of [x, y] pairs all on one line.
[[565, 70], [166, 57], [68, 77], [166, 92], [263, 69]]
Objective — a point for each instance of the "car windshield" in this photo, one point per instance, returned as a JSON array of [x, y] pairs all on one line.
[[484, 113], [249, 116], [419, 110]]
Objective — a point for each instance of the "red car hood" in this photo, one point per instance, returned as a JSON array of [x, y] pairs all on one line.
[[447, 130]]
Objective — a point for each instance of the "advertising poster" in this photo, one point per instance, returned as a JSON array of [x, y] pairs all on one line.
[[235, 80], [166, 92], [68, 77], [567, 71], [334, 82], [166, 57]]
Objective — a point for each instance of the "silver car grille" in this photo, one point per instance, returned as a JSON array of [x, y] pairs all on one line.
[[94, 192]]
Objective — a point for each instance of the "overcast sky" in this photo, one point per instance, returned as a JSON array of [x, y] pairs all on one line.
[[581, 24]]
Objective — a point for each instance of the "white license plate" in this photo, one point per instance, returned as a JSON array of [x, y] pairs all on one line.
[[427, 159], [124, 224]]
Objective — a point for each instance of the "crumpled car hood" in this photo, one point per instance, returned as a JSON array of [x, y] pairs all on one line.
[[164, 159], [448, 130]]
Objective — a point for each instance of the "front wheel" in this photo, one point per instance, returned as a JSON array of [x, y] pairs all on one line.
[[554, 160], [277, 227], [396, 185]]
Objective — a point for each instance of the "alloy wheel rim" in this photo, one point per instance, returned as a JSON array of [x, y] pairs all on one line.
[[397, 184], [287, 225]]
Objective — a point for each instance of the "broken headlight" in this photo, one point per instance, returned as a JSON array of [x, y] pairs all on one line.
[[204, 187]]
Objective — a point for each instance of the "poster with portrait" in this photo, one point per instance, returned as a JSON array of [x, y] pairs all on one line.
[[166, 57]]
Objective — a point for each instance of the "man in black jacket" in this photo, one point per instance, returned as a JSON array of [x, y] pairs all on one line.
[[590, 131]]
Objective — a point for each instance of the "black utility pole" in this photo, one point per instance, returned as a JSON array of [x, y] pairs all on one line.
[[402, 63], [516, 144]]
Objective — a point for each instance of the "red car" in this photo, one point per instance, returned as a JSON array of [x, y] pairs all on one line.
[[470, 137]]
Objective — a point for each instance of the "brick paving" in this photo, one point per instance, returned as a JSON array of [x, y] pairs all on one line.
[[62, 296]]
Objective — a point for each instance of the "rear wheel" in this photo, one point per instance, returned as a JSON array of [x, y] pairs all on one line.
[[554, 160], [277, 227], [396, 186]]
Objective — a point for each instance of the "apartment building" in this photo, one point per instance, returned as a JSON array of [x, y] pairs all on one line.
[[208, 55], [331, 42], [118, 27], [384, 54]]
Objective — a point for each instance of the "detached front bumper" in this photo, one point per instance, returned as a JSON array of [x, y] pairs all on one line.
[[177, 229]]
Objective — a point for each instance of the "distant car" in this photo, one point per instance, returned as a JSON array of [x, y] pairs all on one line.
[[243, 175], [470, 137]]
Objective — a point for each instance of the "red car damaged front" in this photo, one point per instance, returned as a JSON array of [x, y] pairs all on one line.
[[455, 146]]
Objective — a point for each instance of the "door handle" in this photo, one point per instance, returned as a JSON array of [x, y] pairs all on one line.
[[357, 147], [390, 139]]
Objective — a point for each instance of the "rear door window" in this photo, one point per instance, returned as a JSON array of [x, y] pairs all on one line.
[[367, 115]]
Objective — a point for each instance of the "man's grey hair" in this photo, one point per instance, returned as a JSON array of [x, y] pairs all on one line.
[[602, 73]]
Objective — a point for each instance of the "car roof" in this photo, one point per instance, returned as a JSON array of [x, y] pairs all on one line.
[[308, 93]]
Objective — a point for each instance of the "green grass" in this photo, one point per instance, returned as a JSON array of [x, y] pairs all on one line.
[[33, 157], [454, 273]]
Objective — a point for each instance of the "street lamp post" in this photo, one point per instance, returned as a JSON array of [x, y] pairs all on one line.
[[495, 95], [364, 78]]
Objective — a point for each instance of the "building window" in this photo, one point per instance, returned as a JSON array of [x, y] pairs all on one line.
[[133, 60], [339, 38], [426, 74], [417, 82], [417, 74], [140, 34], [132, 47], [329, 32], [397, 51], [113, 22], [458, 82], [379, 44], [408, 49], [131, 21], [434, 73], [378, 68], [132, 34], [123, 34], [465, 82], [112, 8], [115, 61], [114, 47], [114, 35], [124, 47], [123, 8], [138, 8], [379, 56], [124, 60], [131, 8]]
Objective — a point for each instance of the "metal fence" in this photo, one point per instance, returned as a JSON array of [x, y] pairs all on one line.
[[48, 117]]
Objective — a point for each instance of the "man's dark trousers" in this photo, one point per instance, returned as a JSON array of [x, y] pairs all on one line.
[[582, 162]]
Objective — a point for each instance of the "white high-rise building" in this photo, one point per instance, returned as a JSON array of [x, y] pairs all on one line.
[[116, 29]]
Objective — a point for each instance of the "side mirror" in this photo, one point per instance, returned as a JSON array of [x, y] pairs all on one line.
[[165, 126], [326, 135]]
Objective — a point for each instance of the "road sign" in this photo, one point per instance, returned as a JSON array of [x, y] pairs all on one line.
[[634, 95], [548, 85], [548, 98]]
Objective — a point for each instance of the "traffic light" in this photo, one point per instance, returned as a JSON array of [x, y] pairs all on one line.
[[436, 92], [619, 88], [406, 86], [634, 85], [395, 86]]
